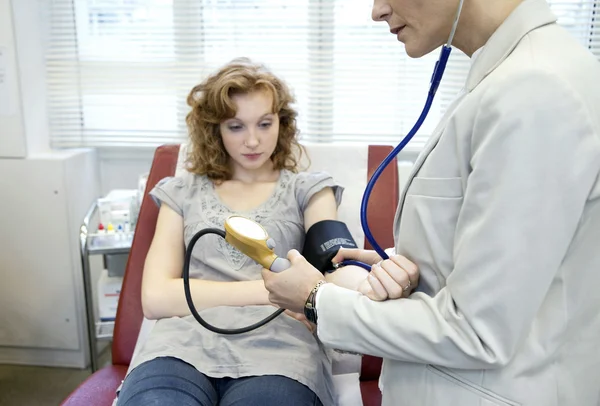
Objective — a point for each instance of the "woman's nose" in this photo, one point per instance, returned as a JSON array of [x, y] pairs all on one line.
[[381, 10], [252, 140]]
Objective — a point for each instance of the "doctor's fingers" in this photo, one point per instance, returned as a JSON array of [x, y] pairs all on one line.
[[375, 290], [394, 279], [411, 269], [295, 257], [392, 288], [302, 319]]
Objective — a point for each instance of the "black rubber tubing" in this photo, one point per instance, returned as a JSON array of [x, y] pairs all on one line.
[[188, 293]]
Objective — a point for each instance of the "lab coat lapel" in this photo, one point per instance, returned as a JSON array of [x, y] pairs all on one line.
[[429, 146], [431, 143]]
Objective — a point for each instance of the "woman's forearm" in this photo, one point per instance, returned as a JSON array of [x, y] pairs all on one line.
[[168, 299], [349, 277]]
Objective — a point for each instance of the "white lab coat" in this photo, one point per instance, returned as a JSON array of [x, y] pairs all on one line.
[[502, 216]]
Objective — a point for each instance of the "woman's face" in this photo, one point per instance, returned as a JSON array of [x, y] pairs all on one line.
[[251, 136], [422, 25]]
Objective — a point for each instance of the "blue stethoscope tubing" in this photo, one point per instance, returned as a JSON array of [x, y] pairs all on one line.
[[436, 78]]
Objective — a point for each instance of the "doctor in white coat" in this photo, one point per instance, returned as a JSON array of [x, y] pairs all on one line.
[[502, 217]]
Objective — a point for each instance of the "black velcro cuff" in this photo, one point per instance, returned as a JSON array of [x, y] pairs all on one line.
[[323, 240]]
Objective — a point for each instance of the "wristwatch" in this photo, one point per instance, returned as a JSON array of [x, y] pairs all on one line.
[[310, 308]]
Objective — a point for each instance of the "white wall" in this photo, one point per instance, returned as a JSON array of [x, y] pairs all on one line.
[[44, 198], [121, 168], [12, 130], [23, 113], [28, 44]]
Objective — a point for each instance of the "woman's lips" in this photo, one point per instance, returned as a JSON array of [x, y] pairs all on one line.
[[252, 157], [398, 30]]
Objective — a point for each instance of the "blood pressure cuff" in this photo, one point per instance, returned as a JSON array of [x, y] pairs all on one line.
[[323, 240]]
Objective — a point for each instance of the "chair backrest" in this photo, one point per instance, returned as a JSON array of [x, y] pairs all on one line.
[[129, 310], [381, 211]]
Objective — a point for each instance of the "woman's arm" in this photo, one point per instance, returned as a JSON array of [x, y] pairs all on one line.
[[322, 206], [162, 283]]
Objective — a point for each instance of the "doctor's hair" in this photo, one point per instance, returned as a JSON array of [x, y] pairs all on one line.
[[211, 104]]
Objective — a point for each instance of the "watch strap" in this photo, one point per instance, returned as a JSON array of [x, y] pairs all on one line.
[[310, 308]]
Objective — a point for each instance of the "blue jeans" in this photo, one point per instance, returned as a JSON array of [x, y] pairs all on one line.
[[168, 381]]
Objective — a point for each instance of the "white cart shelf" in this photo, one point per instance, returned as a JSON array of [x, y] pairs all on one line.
[[104, 330], [98, 244]]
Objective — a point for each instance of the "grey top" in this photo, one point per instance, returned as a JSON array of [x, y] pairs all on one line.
[[283, 346]]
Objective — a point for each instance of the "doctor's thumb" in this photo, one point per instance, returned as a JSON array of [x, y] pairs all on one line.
[[294, 256], [266, 275], [345, 253]]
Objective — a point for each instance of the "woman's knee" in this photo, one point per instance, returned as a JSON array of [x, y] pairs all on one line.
[[167, 381], [268, 390]]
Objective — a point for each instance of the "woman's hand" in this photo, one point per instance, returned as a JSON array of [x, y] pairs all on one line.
[[390, 279], [368, 257]]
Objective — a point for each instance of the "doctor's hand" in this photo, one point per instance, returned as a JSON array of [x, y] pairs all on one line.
[[290, 289], [368, 257], [302, 319], [390, 279]]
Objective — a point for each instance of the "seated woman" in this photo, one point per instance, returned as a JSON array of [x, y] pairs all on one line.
[[243, 136]]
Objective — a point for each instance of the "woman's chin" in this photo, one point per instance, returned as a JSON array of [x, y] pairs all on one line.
[[414, 50], [256, 165]]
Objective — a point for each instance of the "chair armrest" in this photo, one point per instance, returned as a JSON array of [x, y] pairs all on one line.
[[371, 395], [99, 389]]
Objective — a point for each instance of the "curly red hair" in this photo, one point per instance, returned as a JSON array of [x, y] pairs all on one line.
[[211, 103]]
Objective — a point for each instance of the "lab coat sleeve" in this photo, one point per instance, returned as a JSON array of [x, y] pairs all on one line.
[[534, 160]]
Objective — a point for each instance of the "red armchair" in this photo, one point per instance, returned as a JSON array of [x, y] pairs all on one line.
[[99, 389]]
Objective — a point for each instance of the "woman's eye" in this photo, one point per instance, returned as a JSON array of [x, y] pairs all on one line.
[[265, 124], [235, 127]]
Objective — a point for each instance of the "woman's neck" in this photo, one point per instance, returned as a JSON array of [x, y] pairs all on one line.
[[264, 174], [479, 20]]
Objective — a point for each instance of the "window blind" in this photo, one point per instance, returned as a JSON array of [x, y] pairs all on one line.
[[119, 71]]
